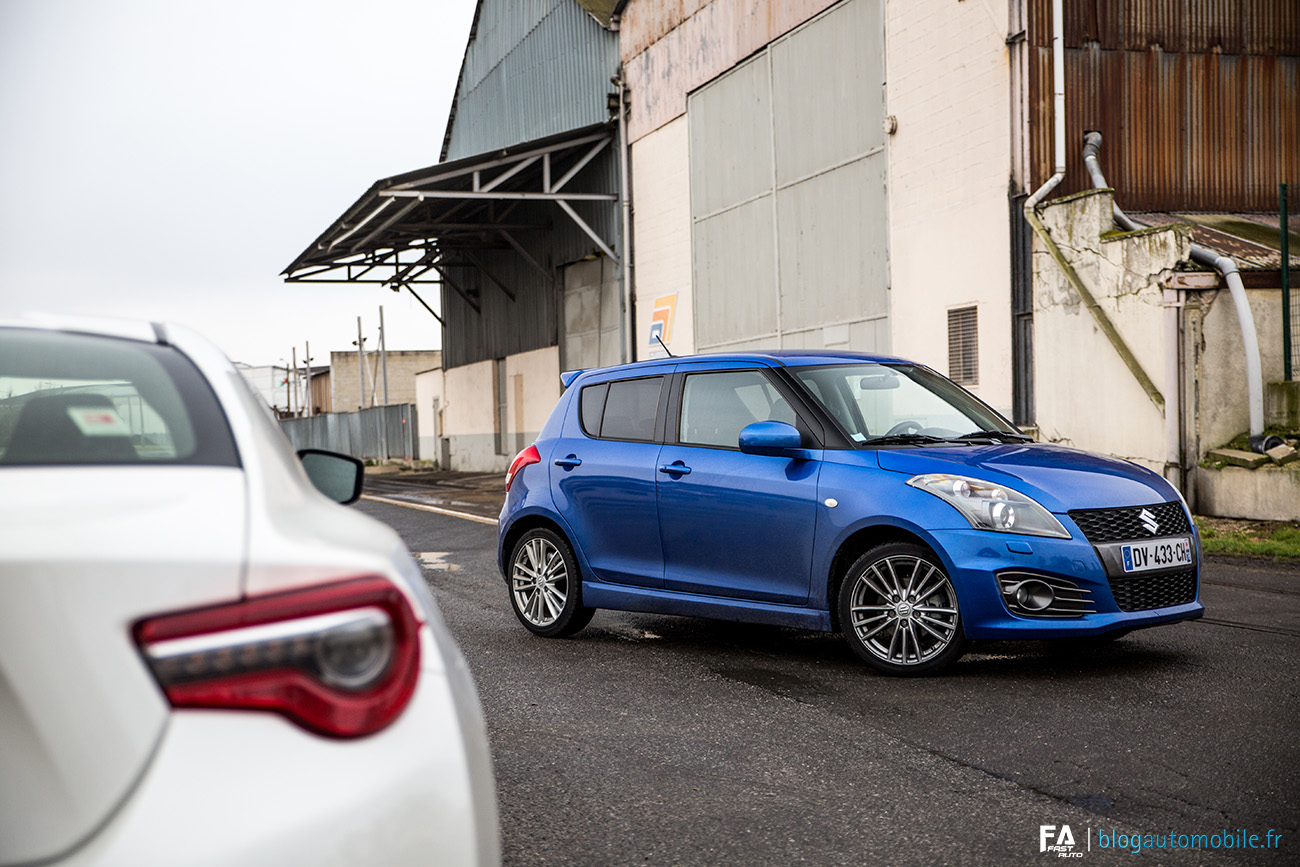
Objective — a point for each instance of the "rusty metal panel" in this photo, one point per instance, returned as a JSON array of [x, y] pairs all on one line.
[[1197, 101]]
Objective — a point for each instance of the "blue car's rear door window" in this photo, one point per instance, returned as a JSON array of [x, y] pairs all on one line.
[[631, 408]]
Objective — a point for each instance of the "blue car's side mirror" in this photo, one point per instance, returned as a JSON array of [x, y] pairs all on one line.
[[775, 438]]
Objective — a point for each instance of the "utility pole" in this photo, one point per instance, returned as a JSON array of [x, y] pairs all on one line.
[[383, 352], [383, 364], [293, 396], [310, 402], [361, 367]]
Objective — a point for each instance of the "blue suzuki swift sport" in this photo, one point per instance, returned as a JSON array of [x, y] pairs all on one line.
[[838, 492]]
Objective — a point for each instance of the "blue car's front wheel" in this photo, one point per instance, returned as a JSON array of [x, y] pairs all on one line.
[[899, 612]]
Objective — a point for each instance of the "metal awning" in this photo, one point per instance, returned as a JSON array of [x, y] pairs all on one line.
[[411, 229]]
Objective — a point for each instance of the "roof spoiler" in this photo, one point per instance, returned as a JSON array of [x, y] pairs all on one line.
[[567, 378]]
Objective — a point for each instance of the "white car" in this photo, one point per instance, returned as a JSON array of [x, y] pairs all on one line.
[[203, 660]]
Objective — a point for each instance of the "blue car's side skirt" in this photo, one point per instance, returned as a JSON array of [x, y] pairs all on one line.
[[597, 594]]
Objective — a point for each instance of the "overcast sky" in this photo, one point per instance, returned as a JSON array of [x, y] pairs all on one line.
[[166, 159]]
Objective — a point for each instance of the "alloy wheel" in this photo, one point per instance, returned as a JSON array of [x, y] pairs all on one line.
[[903, 610], [539, 581]]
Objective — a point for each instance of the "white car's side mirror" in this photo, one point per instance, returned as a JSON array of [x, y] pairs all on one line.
[[337, 476]]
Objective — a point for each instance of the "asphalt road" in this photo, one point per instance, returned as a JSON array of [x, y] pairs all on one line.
[[657, 740]]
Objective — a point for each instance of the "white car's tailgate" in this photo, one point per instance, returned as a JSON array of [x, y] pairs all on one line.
[[85, 552]]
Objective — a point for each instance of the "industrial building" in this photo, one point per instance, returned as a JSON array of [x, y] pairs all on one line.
[[739, 174]]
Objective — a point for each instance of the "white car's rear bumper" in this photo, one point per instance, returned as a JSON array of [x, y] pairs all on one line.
[[253, 789]]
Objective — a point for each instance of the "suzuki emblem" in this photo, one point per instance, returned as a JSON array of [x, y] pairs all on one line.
[[1149, 521]]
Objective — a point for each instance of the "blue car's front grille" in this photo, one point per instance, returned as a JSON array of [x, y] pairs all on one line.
[[1124, 525], [1143, 591]]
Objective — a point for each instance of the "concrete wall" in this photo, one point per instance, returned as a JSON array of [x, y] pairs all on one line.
[[402, 368], [469, 412], [662, 186], [1265, 494], [1222, 408], [533, 388], [429, 401], [948, 84], [1086, 396]]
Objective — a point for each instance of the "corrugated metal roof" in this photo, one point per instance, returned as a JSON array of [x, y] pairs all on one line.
[[1198, 101], [532, 68], [1253, 240]]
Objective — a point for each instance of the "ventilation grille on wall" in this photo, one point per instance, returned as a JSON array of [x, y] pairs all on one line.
[[963, 346]]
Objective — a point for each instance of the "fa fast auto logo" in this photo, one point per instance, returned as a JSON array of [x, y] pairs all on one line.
[[1058, 841]]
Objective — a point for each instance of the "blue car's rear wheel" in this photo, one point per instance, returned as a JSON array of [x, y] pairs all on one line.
[[899, 612], [545, 588]]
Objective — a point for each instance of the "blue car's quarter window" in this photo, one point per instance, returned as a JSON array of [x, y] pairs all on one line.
[[630, 409], [591, 406], [717, 406], [85, 400]]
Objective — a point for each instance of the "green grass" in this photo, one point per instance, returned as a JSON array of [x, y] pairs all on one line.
[[1274, 539]]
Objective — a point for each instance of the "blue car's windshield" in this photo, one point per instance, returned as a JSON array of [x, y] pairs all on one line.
[[879, 403]]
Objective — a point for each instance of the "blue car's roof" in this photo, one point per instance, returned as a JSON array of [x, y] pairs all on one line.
[[786, 357]]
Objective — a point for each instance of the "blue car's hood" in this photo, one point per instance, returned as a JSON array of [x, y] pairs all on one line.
[[1058, 477]]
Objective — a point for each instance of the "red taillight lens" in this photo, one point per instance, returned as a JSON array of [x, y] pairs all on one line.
[[339, 659], [528, 456]]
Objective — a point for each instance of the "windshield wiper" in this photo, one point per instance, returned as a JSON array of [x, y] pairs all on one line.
[[902, 439], [996, 436]]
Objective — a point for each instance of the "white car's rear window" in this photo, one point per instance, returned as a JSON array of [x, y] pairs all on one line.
[[83, 399]]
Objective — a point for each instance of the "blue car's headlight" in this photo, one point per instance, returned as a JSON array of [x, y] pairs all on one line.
[[991, 507]]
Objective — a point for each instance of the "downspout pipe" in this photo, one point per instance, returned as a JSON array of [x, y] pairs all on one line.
[[628, 300], [1058, 110], [1231, 276]]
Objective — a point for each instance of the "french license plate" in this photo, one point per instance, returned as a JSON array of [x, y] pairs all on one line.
[[1157, 554]]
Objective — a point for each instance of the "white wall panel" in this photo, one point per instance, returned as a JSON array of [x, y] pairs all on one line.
[[827, 91], [832, 246], [735, 277], [790, 234], [731, 128]]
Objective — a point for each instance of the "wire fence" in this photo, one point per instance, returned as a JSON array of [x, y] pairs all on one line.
[[378, 433]]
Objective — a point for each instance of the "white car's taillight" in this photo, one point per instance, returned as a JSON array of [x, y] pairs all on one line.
[[338, 659]]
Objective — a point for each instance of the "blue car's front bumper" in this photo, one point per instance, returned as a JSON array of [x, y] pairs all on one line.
[[975, 559]]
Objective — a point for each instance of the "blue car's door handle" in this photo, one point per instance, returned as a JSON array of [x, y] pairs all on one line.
[[569, 463], [677, 469]]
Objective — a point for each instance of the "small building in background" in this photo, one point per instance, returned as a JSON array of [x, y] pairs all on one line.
[[347, 389]]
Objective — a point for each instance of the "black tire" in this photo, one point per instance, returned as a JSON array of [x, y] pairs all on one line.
[[544, 585], [899, 611]]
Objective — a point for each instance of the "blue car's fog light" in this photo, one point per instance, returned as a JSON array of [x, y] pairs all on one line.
[[991, 507]]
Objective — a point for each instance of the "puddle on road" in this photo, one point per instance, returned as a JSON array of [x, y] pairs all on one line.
[[438, 561]]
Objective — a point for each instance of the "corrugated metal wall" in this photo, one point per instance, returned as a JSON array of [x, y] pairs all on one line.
[[534, 68], [380, 432], [1198, 101], [504, 327]]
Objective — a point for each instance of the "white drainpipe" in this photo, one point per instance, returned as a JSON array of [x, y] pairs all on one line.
[[1226, 267], [1058, 93]]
